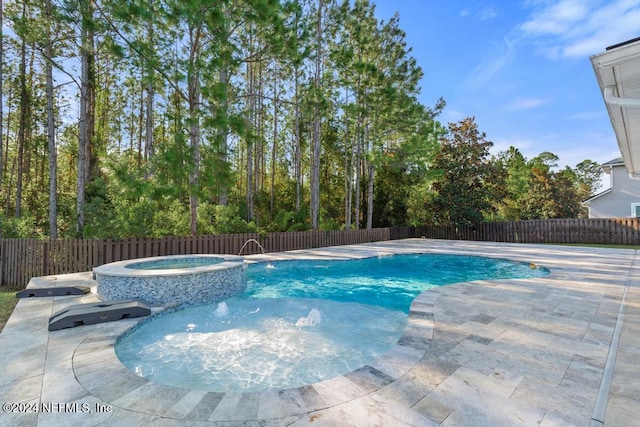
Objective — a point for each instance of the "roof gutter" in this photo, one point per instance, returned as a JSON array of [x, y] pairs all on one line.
[[610, 98]]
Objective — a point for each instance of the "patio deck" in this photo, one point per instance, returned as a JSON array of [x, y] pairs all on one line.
[[559, 350]]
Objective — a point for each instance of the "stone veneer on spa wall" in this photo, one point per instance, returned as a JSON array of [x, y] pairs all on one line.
[[189, 280]]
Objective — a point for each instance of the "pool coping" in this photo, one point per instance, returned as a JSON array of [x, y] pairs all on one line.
[[99, 377], [120, 268]]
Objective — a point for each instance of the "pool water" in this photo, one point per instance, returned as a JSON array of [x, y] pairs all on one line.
[[254, 344], [299, 322], [390, 281], [166, 264]]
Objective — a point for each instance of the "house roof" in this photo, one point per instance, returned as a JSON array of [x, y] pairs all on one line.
[[618, 161], [618, 74], [590, 199]]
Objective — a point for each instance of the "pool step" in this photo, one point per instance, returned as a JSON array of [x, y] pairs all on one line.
[[97, 312], [53, 292]]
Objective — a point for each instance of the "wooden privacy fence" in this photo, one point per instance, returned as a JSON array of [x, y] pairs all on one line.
[[21, 259], [619, 231]]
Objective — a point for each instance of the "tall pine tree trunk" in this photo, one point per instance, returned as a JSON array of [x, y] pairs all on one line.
[[274, 148], [223, 134], [370, 173], [315, 155], [5, 166], [194, 127], [1, 91], [358, 169], [22, 121], [83, 142], [141, 119], [348, 182], [87, 109], [51, 138], [298, 148], [194, 176], [258, 142], [250, 146], [148, 135], [30, 146]]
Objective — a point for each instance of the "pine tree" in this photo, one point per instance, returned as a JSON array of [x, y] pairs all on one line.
[[51, 130]]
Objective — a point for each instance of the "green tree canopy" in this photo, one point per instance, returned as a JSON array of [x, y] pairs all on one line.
[[470, 182], [157, 117], [536, 190]]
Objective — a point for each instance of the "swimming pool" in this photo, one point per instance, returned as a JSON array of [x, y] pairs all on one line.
[[389, 281], [298, 323]]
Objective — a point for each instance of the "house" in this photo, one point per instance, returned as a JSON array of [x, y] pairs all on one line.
[[618, 74], [621, 199]]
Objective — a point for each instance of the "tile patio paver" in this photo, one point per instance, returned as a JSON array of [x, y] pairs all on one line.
[[494, 353]]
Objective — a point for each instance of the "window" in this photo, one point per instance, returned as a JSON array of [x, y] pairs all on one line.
[[635, 210]]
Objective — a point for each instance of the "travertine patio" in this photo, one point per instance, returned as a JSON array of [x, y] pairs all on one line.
[[553, 351]]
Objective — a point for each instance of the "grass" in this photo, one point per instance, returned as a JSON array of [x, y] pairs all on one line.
[[8, 301]]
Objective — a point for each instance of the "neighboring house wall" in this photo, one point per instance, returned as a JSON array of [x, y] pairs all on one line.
[[622, 200]]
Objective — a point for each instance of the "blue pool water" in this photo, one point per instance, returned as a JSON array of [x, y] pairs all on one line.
[[166, 264], [391, 281], [298, 323]]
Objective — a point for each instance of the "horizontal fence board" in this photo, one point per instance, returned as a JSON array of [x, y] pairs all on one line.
[[21, 259]]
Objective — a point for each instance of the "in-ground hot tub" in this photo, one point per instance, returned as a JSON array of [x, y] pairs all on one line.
[[175, 279]]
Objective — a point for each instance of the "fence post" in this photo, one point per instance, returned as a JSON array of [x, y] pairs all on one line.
[[45, 258]]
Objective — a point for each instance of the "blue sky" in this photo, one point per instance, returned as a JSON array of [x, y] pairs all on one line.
[[521, 67]]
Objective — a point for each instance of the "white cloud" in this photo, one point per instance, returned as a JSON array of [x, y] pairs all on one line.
[[579, 28], [524, 145], [623, 25], [450, 115], [490, 65], [588, 115], [527, 103], [557, 18], [570, 147], [483, 14], [572, 156], [487, 13]]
